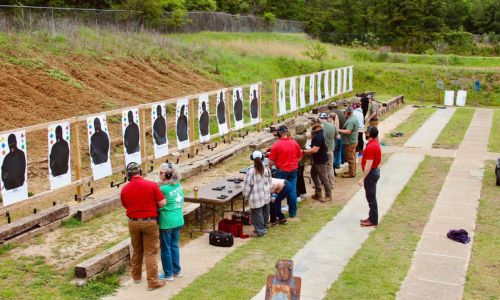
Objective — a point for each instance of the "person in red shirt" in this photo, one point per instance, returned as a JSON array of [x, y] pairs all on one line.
[[371, 174], [141, 199], [285, 155]]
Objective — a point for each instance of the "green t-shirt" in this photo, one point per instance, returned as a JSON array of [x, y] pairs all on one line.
[[330, 133], [353, 125], [171, 214]]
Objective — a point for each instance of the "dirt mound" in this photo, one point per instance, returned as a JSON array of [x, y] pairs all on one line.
[[34, 95]]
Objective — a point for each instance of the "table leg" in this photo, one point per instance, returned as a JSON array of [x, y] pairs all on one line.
[[213, 217]]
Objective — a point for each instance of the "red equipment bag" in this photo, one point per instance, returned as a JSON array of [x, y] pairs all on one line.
[[234, 227], [243, 217]]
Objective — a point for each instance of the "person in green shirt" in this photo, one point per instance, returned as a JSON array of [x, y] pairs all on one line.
[[171, 220], [372, 115], [331, 134], [350, 138]]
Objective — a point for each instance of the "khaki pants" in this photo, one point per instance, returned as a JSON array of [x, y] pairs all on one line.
[[319, 175], [145, 242], [350, 154], [374, 123], [329, 166]]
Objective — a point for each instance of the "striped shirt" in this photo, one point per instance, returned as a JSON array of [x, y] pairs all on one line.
[[257, 188]]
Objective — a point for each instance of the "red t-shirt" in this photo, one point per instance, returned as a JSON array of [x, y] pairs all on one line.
[[286, 154], [372, 152], [140, 198]]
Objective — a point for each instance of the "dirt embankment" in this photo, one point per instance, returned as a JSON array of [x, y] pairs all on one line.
[[31, 95]]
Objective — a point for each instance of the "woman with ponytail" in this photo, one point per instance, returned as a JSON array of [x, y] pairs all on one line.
[[257, 193]]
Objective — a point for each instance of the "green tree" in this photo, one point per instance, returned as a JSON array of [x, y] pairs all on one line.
[[201, 5]]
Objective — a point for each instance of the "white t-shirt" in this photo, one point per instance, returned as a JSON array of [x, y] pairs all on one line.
[[358, 113]]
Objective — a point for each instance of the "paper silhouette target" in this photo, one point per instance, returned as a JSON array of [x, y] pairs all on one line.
[[449, 98], [131, 136], [281, 97], [461, 98], [181, 124], [59, 155], [221, 113], [14, 165], [203, 118], [159, 124], [311, 89], [98, 134], [302, 91], [339, 81], [293, 94], [238, 108], [332, 83], [318, 87], [254, 104], [326, 82]]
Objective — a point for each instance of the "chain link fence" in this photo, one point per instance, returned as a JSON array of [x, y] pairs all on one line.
[[56, 19]]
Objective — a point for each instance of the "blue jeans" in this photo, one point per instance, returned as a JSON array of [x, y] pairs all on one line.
[[371, 194], [169, 244], [339, 153], [276, 205], [292, 196]]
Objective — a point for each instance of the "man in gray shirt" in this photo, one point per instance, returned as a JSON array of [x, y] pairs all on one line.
[[331, 134]]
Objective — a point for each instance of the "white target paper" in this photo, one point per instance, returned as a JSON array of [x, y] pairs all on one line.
[[327, 85], [318, 87], [203, 118], [59, 141], [254, 104], [449, 97], [461, 98], [238, 118], [131, 136], [221, 113], [99, 144], [302, 91], [339, 81], [281, 97], [344, 84], [159, 125], [182, 124], [14, 167], [293, 94], [351, 71], [311, 89], [332, 84]]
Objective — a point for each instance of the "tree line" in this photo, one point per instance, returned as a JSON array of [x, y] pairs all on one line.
[[421, 26]]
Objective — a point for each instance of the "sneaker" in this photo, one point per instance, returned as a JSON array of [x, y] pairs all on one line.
[[165, 278], [283, 222], [360, 154], [178, 275]]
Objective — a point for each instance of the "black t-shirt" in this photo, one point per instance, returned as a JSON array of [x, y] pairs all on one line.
[[318, 140]]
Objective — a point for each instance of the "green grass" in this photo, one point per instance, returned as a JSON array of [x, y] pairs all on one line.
[[494, 144], [483, 276], [409, 127], [60, 75], [71, 223], [241, 274], [454, 132], [378, 268]]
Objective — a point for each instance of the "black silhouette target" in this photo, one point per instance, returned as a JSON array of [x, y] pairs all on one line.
[[131, 136], [238, 107], [254, 105], [14, 164], [204, 119], [59, 154], [221, 109], [160, 127], [99, 144], [182, 124]]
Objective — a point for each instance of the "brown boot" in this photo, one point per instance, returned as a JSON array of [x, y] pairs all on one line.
[[318, 197], [158, 285], [328, 198]]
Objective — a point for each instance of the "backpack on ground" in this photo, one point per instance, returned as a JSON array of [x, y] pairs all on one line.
[[243, 217], [234, 227]]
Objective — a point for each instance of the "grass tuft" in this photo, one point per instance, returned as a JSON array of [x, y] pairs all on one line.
[[71, 223], [60, 75]]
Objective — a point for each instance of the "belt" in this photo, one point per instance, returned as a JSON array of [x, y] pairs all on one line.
[[374, 119], [143, 219]]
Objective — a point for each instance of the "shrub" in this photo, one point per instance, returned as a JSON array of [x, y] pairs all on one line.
[[270, 18], [317, 51]]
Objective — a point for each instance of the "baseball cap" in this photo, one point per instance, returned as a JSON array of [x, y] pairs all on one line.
[[323, 116], [333, 104], [282, 129], [133, 168]]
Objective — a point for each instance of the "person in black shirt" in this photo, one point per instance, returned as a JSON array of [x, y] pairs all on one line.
[[59, 155], [319, 169]]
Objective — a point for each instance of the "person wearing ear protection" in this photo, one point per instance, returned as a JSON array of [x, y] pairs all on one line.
[[171, 221], [371, 174], [257, 193], [141, 199]]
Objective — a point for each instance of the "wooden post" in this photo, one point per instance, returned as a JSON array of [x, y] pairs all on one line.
[[77, 156], [142, 115], [275, 110], [191, 127], [229, 99], [259, 126]]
